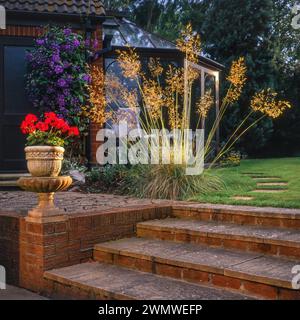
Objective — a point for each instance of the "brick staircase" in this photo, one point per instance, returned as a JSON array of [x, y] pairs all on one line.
[[8, 181], [201, 252]]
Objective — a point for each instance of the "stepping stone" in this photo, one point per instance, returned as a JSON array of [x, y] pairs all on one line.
[[253, 173], [272, 183], [269, 190], [242, 198], [266, 178]]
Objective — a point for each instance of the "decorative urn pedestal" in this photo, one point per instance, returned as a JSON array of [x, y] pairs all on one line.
[[44, 163]]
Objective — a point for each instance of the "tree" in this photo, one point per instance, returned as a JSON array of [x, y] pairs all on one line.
[[118, 5], [286, 63], [235, 28]]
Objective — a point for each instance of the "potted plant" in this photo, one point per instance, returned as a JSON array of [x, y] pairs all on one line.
[[45, 143]]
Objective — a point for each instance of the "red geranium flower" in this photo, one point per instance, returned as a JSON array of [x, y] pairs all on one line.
[[31, 118], [59, 124], [74, 131], [28, 125], [53, 126], [42, 126], [50, 115], [27, 128]]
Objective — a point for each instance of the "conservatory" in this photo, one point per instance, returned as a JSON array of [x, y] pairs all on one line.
[[120, 33]]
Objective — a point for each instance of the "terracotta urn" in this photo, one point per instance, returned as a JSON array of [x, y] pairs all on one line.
[[44, 161]]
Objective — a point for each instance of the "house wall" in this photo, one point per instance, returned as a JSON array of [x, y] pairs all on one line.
[[94, 128]]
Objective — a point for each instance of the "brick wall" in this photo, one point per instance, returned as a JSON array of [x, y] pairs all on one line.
[[21, 31], [9, 246], [28, 249], [94, 128]]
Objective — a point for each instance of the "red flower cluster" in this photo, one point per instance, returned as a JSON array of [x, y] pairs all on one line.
[[52, 123]]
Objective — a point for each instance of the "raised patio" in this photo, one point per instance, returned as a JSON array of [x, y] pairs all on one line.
[[165, 249]]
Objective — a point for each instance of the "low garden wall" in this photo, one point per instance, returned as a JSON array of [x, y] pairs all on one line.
[[28, 249]]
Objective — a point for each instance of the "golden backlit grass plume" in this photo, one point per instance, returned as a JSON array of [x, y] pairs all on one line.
[[267, 103], [189, 43], [155, 67], [96, 112], [204, 104], [129, 63], [237, 79]]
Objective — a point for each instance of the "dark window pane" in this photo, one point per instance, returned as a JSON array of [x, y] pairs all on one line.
[[14, 81]]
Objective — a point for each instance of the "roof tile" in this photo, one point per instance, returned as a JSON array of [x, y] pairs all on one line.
[[92, 7]]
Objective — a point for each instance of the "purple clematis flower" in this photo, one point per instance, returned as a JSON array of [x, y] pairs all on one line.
[[76, 43], [61, 100], [40, 42], [59, 69], [55, 58], [62, 83], [86, 78], [67, 31]]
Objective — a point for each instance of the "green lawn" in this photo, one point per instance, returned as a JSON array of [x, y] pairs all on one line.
[[237, 183]]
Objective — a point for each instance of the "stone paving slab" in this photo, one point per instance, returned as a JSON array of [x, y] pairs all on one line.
[[227, 230], [217, 260], [15, 293], [181, 254], [266, 269], [120, 283]]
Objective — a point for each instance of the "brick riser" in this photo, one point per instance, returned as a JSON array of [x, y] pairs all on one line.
[[70, 291], [209, 277], [221, 241], [243, 217]]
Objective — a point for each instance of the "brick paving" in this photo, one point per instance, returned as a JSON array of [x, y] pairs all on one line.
[[19, 202]]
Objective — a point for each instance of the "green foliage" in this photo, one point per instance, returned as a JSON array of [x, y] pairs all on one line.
[[167, 182], [70, 164], [236, 183], [231, 159], [107, 178], [147, 181], [41, 138]]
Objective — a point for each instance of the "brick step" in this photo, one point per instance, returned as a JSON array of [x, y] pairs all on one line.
[[9, 183], [9, 186], [108, 282], [250, 273], [268, 217], [273, 241], [12, 176]]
